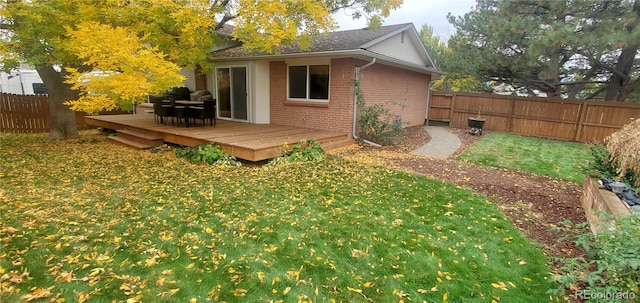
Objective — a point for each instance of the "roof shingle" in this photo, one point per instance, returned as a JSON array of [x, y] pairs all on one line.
[[334, 41]]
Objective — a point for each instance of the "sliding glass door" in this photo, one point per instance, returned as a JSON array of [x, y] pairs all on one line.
[[232, 92]]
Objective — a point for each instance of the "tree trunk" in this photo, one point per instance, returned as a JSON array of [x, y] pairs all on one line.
[[621, 79], [63, 120], [618, 83], [553, 71]]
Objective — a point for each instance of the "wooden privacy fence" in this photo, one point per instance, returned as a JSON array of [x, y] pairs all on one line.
[[562, 119], [30, 114], [24, 113]]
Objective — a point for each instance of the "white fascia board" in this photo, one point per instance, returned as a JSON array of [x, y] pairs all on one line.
[[402, 64], [356, 53], [387, 36], [415, 40]]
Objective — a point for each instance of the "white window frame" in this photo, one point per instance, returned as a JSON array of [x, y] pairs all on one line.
[[308, 79]]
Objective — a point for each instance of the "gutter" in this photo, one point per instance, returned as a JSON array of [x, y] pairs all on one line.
[[355, 102], [357, 53]]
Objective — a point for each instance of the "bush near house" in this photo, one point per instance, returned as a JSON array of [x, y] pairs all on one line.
[[376, 122]]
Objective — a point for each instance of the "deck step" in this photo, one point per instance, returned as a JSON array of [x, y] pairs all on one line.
[[145, 139], [128, 143]]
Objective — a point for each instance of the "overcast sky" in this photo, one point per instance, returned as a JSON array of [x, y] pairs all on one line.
[[418, 12]]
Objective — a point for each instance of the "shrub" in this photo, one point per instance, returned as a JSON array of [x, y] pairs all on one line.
[[600, 165], [209, 154], [301, 152], [376, 122], [624, 147], [613, 258]]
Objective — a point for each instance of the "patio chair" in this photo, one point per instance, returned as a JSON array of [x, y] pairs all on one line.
[[161, 111], [206, 111], [178, 112]]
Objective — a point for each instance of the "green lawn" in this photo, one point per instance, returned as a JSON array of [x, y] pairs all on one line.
[[552, 158], [87, 220]]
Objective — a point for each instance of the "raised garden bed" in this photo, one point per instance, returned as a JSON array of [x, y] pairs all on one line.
[[595, 199]]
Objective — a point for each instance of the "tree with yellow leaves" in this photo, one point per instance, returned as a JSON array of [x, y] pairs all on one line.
[[95, 55], [441, 54]]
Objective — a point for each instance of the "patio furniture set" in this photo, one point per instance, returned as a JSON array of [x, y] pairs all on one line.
[[180, 106]]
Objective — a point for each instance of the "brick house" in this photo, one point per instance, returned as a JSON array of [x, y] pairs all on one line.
[[315, 88]]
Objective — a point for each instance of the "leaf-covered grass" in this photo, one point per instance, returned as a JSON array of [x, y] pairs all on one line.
[[552, 158], [87, 220]]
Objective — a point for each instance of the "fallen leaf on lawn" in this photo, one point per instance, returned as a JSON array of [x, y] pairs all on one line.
[[64, 277], [240, 292], [500, 285], [38, 293]]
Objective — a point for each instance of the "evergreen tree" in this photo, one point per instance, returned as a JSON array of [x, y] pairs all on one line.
[[572, 48]]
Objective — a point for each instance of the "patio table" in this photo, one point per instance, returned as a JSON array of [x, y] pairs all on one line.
[[187, 104]]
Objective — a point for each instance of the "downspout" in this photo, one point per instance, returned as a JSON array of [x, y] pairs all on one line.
[[355, 102]]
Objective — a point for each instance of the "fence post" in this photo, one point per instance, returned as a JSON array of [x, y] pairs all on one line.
[[451, 110], [511, 113], [582, 113]]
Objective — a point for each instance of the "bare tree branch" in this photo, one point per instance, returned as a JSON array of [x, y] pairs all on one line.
[[597, 92], [224, 21]]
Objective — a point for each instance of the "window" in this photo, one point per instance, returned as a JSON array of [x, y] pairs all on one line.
[[39, 88], [309, 82]]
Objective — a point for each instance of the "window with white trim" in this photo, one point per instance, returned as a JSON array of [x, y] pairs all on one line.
[[308, 82]]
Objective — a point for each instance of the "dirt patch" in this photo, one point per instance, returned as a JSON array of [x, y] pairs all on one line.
[[534, 203]]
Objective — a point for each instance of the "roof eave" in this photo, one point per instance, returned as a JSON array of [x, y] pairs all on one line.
[[339, 53], [414, 36], [387, 36], [353, 53], [401, 64]]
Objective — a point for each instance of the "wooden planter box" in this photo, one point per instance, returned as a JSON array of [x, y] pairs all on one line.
[[595, 199]]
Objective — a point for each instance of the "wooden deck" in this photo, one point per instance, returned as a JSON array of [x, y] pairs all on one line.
[[252, 142]]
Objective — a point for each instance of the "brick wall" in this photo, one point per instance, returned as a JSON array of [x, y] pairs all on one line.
[[380, 84], [335, 115]]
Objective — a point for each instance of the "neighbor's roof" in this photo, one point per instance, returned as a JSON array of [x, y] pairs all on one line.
[[358, 43]]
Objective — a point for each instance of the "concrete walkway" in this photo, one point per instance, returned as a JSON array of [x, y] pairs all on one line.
[[442, 144]]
